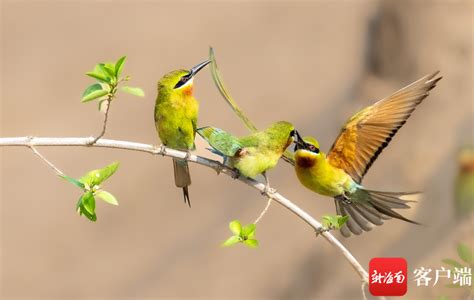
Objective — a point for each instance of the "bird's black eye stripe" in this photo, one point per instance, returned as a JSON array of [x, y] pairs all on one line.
[[312, 148], [183, 80]]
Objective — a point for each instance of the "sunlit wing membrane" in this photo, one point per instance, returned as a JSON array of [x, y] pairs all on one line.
[[369, 131]]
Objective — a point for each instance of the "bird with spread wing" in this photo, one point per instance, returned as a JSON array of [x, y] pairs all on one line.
[[339, 173]]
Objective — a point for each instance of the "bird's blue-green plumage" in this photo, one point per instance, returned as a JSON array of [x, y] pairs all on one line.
[[222, 142]]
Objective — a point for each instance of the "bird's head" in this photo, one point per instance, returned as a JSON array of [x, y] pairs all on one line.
[[281, 134], [180, 81], [307, 152]]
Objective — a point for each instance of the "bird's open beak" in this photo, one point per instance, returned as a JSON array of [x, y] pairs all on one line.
[[299, 142], [194, 70]]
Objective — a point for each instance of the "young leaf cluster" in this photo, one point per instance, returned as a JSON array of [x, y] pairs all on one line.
[[242, 234], [108, 76], [334, 222], [90, 184]]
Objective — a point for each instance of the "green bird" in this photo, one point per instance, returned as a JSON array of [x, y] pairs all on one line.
[[253, 154], [176, 113]]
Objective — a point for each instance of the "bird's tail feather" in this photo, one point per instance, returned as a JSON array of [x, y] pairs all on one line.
[[366, 208], [182, 178]]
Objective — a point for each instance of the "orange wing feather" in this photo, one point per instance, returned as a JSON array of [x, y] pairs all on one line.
[[369, 131]]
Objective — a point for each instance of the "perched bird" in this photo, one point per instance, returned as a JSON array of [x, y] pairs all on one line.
[[339, 173], [176, 113], [253, 154]]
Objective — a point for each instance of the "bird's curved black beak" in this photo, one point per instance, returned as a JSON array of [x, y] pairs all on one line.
[[194, 70]]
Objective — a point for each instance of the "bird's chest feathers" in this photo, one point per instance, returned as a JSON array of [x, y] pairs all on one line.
[[321, 178], [252, 162], [185, 105]]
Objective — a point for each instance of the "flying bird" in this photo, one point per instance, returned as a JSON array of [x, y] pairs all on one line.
[[339, 173]]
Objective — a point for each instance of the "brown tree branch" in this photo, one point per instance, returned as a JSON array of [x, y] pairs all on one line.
[[104, 125], [33, 142]]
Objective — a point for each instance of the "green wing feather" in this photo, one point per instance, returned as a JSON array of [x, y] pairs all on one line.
[[216, 76], [220, 140]]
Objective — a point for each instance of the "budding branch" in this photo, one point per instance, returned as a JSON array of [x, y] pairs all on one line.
[[33, 142]]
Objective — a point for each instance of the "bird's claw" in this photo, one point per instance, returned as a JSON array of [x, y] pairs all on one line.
[[219, 169], [188, 155], [344, 198], [162, 149], [236, 174]]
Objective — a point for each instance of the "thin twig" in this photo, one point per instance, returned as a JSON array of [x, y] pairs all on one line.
[[126, 145], [364, 283], [50, 164], [104, 125], [264, 211]]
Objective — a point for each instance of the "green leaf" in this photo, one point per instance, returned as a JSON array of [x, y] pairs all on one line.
[[119, 66], [465, 253], [341, 220], [96, 177], [79, 204], [330, 221], [94, 95], [73, 181], [136, 91], [99, 76], [88, 202], [334, 221], [235, 227], [327, 221], [92, 88], [452, 262], [248, 231], [251, 243], [108, 69], [107, 197], [92, 217], [231, 241], [443, 297]]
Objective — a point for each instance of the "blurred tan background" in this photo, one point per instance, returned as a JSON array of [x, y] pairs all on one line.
[[311, 63]]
